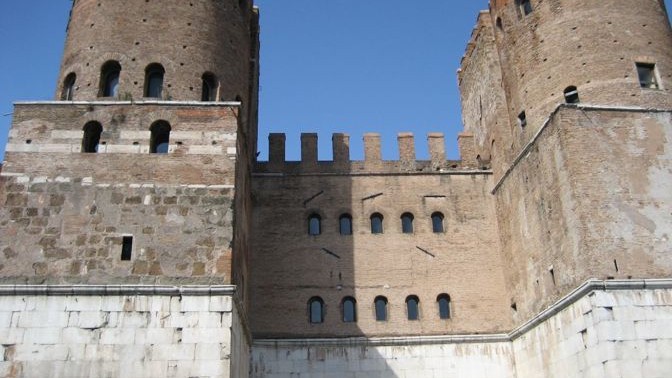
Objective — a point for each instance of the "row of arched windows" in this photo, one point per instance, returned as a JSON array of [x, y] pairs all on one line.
[[348, 308], [345, 223], [154, 76], [158, 142]]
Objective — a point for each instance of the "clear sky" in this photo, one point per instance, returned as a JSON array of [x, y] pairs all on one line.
[[327, 66]]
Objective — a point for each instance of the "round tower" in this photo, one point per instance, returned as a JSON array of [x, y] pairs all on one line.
[[182, 50], [608, 52]]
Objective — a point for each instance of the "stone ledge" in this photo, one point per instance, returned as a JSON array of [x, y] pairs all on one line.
[[110, 290]]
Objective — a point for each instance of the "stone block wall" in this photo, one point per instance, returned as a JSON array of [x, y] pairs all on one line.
[[613, 334], [114, 335]]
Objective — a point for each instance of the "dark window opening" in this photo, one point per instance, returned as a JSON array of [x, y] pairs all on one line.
[[154, 80], [209, 91], [377, 223], [412, 307], [437, 222], [381, 309], [647, 75], [160, 138], [407, 223], [91, 140], [109, 76], [314, 225], [443, 301], [345, 224], [126, 248], [316, 310], [571, 95], [499, 23], [525, 7], [349, 310], [68, 87], [522, 119]]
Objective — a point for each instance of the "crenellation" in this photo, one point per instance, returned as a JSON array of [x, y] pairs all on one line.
[[309, 149]]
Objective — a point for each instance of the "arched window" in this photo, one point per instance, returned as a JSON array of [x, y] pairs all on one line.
[[314, 225], [437, 222], [412, 307], [160, 138], [571, 95], [345, 224], [209, 91], [154, 80], [377, 223], [381, 308], [69, 87], [91, 140], [109, 79], [443, 300], [316, 310], [407, 223], [499, 23], [349, 306]]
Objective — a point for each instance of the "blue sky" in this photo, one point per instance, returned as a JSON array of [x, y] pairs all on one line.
[[351, 66]]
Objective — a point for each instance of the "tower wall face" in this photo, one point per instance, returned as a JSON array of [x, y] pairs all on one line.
[[592, 45], [187, 38]]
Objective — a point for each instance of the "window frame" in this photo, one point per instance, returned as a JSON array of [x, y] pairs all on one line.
[[416, 303], [152, 72], [345, 217], [156, 141], [386, 314], [91, 137], [353, 301], [68, 90], [449, 313], [652, 70], [407, 223], [209, 81], [438, 215], [314, 217], [110, 79], [320, 302], [571, 95], [378, 218]]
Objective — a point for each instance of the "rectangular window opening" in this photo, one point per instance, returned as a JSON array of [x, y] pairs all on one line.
[[522, 119], [647, 75], [126, 248]]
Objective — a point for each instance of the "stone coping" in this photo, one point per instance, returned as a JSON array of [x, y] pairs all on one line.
[[111, 290], [139, 102], [580, 292]]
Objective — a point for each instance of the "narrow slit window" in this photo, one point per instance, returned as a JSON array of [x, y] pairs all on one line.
[[571, 95], [314, 225], [443, 301], [126, 248], [381, 309], [209, 90], [522, 119], [377, 223], [407, 223], [109, 79], [316, 310], [160, 137], [349, 310], [437, 223], [154, 80], [412, 307], [69, 87], [647, 75], [345, 224]]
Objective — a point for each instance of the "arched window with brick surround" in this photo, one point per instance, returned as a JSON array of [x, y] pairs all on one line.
[[316, 310], [68, 91], [109, 79], [154, 80], [91, 139], [160, 137]]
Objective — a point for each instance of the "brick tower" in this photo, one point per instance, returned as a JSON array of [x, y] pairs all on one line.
[[127, 185]]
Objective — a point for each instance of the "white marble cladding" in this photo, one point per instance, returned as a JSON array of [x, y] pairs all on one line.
[[623, 330], [117, 335]]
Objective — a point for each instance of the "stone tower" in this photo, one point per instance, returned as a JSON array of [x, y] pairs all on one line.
[[127, 185]]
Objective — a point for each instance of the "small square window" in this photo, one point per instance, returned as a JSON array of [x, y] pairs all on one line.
[[647, 75]]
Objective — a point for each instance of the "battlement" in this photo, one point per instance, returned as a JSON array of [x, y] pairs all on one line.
[[373, 162]]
